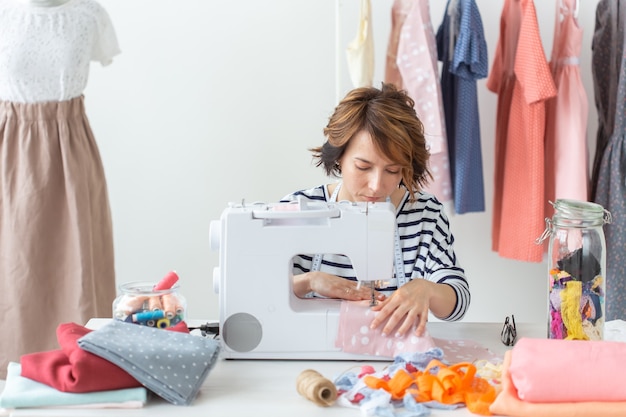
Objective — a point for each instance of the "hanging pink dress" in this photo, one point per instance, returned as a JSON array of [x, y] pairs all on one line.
[[567, 166], [412, 65], [521, 77]]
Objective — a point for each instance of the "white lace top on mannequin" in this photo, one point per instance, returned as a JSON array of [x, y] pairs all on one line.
[[46, 49]]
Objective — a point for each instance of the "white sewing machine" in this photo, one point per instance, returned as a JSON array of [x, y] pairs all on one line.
[[260, 316]]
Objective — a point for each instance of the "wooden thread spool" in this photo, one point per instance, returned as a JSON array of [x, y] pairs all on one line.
[[313, 386]]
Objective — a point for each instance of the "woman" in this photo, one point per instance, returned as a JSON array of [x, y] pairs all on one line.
[[375, 144]]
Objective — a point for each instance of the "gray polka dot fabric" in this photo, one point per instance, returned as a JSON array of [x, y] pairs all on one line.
[[171, 364]]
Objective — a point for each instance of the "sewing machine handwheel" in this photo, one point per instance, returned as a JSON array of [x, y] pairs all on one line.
[[242, 332]]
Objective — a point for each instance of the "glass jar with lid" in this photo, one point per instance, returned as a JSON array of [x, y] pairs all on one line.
[[142, 303], [576, 270]]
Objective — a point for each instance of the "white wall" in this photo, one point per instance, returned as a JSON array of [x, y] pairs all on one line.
[[218, 101]]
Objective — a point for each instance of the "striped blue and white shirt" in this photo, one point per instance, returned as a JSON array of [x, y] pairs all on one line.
[[425, 239]]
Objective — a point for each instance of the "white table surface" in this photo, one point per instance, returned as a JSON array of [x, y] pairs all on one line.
[[268, 387]]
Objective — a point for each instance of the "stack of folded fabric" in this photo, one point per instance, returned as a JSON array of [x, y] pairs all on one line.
[[83, 373], [562, 378], [21, 392], [69, 377]]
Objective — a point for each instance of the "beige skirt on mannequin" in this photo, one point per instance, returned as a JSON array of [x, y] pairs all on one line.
[[56, 244]]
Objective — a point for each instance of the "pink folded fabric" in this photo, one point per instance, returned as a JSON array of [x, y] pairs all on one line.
[[554, 370], [355, 336], [507, 403]]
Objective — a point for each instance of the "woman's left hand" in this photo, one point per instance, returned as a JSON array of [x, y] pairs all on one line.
[[406, 307]]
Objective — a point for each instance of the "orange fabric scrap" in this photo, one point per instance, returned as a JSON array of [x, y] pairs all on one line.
[[449, 385]]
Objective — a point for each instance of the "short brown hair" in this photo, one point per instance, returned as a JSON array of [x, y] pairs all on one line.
[[389, 116]]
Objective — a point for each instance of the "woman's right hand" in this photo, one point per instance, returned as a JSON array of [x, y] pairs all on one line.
[[331, 286]]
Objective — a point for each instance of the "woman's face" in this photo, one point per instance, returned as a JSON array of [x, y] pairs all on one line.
[[368, 175]]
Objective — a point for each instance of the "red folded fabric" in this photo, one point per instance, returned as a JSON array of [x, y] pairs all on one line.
[[72, 369]]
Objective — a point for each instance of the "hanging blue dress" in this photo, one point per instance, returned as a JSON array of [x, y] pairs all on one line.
[[462, 49]]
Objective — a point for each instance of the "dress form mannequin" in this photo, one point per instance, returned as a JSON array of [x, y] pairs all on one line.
[[50, 165]]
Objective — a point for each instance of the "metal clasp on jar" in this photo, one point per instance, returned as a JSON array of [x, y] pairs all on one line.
[[547, 232]]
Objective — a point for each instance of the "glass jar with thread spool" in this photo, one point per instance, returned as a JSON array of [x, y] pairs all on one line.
[[141, 303], [576, 270]]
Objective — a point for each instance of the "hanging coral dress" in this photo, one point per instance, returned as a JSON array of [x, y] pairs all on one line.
[[521, 78], [56, 245]]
